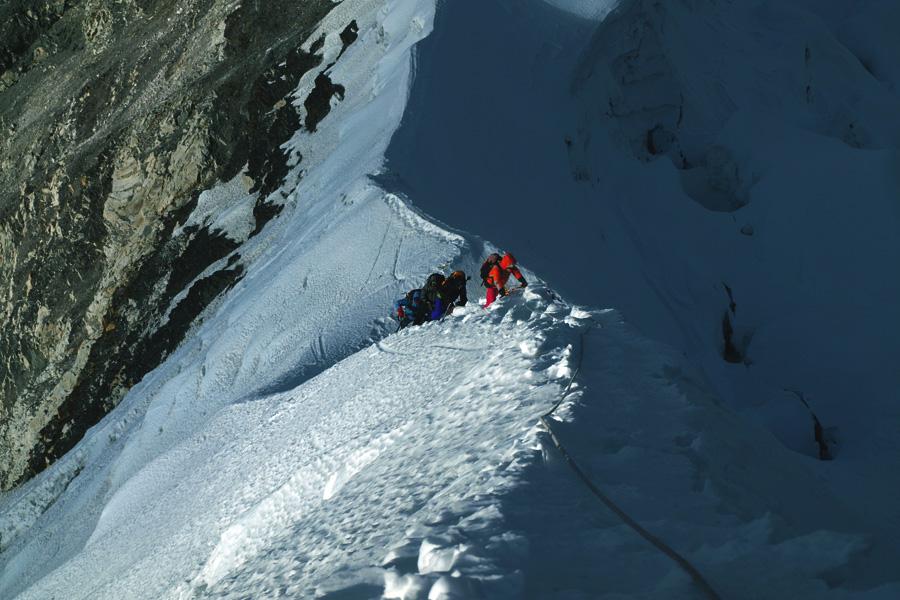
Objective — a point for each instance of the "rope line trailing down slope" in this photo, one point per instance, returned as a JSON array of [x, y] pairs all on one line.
[[660, 545]]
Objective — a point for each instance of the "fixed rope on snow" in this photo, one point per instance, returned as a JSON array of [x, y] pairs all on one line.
[[660, 545]]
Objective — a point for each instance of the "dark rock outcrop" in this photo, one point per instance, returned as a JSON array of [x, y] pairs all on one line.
[[114, 116]]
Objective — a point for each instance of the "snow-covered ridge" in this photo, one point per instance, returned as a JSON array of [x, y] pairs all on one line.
[[291, 317], [295, 446]]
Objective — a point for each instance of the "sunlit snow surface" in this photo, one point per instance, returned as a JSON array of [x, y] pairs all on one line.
[[296, 447], [297, 491]]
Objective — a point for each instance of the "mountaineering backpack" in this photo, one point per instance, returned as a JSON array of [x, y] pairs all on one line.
[[451, 294], [432, 286], [487, 265], [454, 287]]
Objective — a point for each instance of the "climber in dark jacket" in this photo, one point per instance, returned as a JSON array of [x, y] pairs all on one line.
[[451, 293], [410, 309]]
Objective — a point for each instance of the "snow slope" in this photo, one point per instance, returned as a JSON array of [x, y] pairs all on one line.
[[295, 447], [671, 162], [297, 491]]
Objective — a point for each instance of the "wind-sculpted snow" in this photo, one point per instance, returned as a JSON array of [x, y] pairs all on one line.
[[433, 479], [308, 489], [610, 155], [444, 405], [750, 514], [296, 446]]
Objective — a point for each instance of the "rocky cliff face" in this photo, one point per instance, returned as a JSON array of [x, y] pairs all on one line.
[[115, 116]]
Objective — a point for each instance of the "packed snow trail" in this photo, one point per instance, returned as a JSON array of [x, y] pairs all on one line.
[[304, 490], [294, 447]]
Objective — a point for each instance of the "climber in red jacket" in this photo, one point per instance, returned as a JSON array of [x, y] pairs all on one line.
[[499, 275]]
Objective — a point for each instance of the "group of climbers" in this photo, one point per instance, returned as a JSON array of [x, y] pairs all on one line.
[[440, 294], [433, 300]]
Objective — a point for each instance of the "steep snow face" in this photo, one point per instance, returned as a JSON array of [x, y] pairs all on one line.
[[723, 173], [293, 448], [588, 9], [649, 73], [751, 515], [788, 132]]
